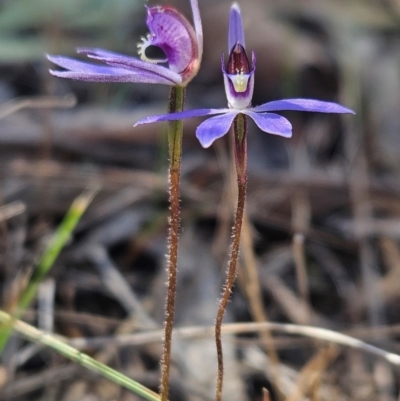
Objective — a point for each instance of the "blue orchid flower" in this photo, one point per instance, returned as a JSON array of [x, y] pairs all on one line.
[[239, 85], [169, 30]]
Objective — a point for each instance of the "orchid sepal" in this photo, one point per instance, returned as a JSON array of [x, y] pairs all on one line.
[[236, 33]]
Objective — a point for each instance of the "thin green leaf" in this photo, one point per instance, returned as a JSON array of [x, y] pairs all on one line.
[[55, 246], [48, 340]]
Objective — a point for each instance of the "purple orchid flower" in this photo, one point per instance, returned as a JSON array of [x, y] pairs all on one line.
[[239, 85], [169, 30]]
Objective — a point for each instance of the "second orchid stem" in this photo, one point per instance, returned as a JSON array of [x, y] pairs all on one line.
[[175, 129], [240, 151]]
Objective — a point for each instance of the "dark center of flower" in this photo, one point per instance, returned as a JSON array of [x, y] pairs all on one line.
[[238, 62]]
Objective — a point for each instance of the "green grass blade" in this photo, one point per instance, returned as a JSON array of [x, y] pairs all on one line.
[[53, 249], [48, 340]]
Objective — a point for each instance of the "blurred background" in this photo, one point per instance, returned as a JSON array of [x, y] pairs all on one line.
[[320, 242]]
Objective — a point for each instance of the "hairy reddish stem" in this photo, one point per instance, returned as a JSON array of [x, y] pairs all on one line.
[[177, 98], [240, 150]]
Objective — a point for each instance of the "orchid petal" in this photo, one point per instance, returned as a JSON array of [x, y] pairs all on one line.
[[214, 128], [131, 64], [76, 65], [92, 51], [111, 77], [312, 105], [236, 34], [271, 123], [181, 115], [197, 27], [239, 100], [83, 71]]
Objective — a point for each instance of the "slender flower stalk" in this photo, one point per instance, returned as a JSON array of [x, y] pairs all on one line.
[[183, 48], [239, 86], [240, 151], [175, 129]]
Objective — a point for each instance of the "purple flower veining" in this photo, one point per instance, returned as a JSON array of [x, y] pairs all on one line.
[[169, 30], [239, 85]]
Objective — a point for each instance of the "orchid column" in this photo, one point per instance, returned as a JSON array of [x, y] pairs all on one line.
[[183, 48]]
